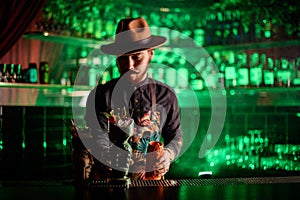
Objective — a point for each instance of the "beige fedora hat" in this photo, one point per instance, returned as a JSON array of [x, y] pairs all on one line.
[[133, 35]]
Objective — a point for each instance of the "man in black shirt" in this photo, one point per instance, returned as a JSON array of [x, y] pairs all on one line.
[[129, 113]]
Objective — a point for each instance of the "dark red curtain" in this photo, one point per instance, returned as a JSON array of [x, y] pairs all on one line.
[[15, 17]]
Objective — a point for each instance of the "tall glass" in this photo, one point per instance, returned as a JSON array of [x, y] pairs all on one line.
[[154, 152]]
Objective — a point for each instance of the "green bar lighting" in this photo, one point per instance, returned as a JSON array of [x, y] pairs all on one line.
[[64, 142], [205, 173]]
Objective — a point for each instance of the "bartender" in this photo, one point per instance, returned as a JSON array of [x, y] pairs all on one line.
[[128, 113]]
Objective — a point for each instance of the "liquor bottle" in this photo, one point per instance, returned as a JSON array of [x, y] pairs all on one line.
[[44, 73], [255, 70], [4, 72], [242, 70], [210, 74], [220, 76], [182, 75], [257, 29], [106, 76], [160, 73], [65, 79], [230, 76], [199, 36], [243, 76], [32, 73], [98, 29], [92, 76], [277, 79], [284, 73], [293, 70], [256, 76], [296, 80], [170, 77], [230, 70], [11, 76], [267, 29], [18, 72], [268, 73], [263, 63], [196, 80], [210, 29], [219, 29], [275, 69], [72, 73]]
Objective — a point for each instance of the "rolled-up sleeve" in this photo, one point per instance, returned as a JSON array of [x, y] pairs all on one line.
[[172, 132]]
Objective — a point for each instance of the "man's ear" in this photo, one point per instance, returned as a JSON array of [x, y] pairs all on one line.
[[151, 53]]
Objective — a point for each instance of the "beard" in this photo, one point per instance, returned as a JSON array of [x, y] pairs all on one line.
[[136, 75]]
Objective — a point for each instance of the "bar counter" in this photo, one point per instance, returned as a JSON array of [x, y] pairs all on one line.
[[182, 189], [35, 138]]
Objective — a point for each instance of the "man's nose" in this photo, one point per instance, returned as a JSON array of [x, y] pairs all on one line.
[[91, 159], [129, 63]]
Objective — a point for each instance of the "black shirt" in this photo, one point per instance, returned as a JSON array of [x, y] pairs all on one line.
[[135, 101]]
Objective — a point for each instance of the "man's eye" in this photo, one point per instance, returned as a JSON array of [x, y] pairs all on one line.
[[137, 56]]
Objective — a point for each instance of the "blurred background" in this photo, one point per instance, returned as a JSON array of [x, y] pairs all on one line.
[[231, 60]]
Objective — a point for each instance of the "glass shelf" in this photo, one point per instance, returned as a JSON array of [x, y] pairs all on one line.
[[254, 46], [60, 39], [20, 94], [44, 86], [93, 43], [24, 94]]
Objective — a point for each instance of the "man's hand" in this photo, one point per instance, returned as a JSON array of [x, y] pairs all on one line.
[[163, 164]]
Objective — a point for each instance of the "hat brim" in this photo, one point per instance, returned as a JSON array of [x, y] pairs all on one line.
[[123, 48]]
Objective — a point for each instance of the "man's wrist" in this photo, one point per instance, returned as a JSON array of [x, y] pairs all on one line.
[[172, 155]]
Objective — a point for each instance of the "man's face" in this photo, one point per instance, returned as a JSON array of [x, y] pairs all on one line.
[[135, 65]]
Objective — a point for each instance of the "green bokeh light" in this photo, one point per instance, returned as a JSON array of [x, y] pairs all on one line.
[[65, 142]]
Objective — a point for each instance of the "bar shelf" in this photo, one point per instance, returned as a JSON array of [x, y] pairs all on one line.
[[93, 43], [54, 95]]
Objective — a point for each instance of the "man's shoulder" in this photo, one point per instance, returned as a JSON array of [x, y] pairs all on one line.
[[163, 90], [162, 85]]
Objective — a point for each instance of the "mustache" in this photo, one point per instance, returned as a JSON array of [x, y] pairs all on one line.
[[129, 71]]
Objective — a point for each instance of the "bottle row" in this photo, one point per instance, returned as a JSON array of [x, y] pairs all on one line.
[[255, 151], [207, 28], [257, 70], [223, 69], [15, 73]]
